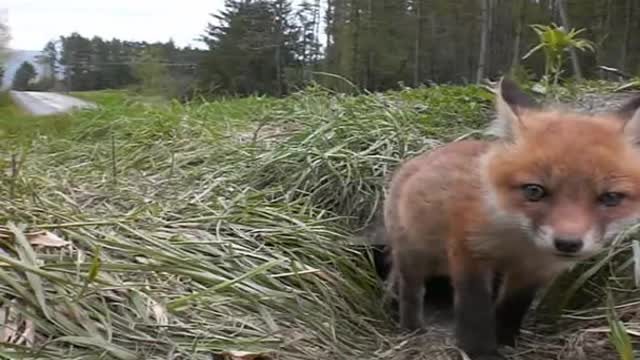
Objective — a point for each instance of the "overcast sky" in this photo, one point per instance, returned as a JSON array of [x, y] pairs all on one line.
[[34, 22]]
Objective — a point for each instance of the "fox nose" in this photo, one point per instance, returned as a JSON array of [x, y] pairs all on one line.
[[568, 245]]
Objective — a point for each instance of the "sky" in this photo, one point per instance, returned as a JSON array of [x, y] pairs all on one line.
[[34, 22]]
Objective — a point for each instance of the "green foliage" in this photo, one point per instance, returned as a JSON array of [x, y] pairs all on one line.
[[250, 46], [150, 70], [371, 43], [619, 336], [7, 106], [50, 61], [76, 60], [19, 129], [555, 42], [122, 111], [629, 85], [521, 74], [107, 98], [307, 18], [96, 64], [24, 76]]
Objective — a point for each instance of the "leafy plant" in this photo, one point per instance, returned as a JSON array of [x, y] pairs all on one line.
[[555, 41], [619, 336]]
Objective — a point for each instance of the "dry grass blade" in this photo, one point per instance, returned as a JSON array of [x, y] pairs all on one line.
[[636, 262], [28, 256], [115, 351], [177, 303]]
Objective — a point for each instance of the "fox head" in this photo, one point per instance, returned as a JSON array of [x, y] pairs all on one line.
[[570, 180]]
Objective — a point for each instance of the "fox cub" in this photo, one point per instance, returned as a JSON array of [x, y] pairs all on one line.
[[553, 189]]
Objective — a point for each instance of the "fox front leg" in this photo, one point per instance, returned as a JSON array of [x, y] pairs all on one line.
[[410, 281], [410, 300], [475, 321], [516, 295]]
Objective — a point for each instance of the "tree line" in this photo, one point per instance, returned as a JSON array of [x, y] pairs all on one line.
[[378, 43], [77, 63], [273, 47], [4, 44]]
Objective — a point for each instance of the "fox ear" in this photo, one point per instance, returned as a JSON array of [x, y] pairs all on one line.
[[629, 112], [511, 103]]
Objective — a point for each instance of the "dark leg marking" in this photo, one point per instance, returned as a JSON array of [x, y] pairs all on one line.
[[381, 260], [475, 320], [411, 301], [510, 314]]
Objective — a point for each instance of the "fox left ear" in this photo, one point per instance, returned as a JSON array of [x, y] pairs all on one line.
[[511, 103], [630, 114]]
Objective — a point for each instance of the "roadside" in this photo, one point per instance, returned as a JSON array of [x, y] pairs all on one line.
[[47, 103]]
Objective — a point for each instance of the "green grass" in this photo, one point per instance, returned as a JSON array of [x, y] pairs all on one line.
[[8, 110], [207, 227], [104, 97], [19, 128], [7, 107]]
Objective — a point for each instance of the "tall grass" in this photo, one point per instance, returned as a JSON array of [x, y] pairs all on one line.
[[204, 228]]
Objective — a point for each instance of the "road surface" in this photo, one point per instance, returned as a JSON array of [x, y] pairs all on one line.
[[47, 103]]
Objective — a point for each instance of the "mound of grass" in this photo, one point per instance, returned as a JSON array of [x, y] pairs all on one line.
[[342, 148], [170, 231]]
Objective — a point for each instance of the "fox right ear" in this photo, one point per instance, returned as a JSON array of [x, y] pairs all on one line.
[[629, 112], [511, 103]]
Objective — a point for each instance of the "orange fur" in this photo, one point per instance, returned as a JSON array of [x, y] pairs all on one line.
[[461, 211]]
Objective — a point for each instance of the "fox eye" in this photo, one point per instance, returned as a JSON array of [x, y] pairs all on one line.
[[611, 199], [533, 192]]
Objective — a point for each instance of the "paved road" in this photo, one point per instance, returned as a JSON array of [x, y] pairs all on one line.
[[47, 103]]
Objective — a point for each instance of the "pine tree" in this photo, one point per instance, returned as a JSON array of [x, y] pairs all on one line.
[[98, 62], [76, 60], [308, 48], [119, 72], [24, 77], [5, 36], [151, 70], [49, 59], [250, 47]]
